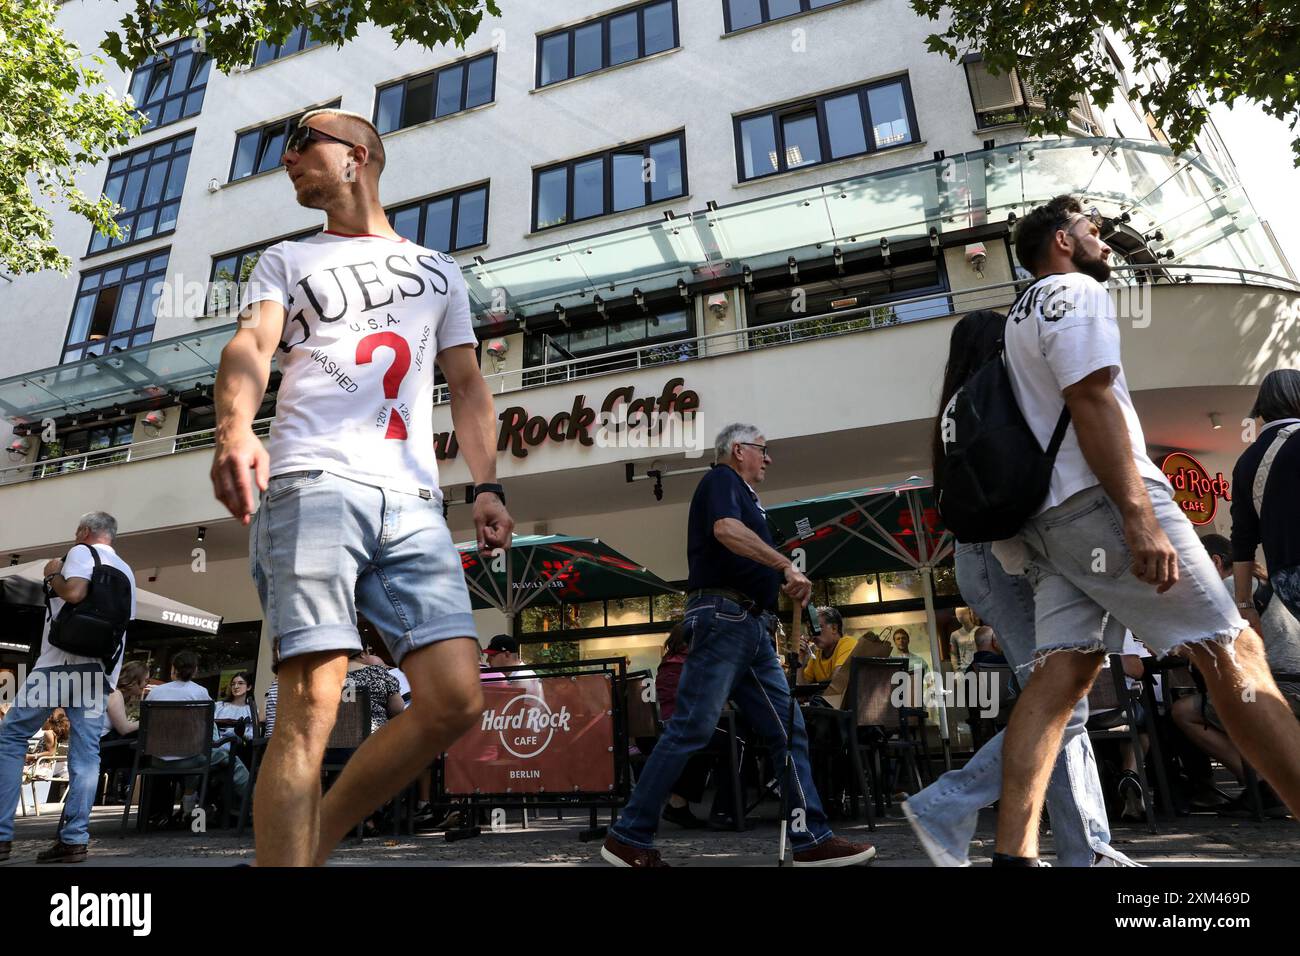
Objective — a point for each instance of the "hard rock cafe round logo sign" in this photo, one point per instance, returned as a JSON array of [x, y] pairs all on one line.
[[1194, 490], [526, 725]]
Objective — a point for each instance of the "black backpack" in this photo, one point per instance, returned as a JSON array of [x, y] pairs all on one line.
[[96, 626], [995, 474]]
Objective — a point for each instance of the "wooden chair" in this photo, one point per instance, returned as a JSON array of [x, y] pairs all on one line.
[[882, 724]]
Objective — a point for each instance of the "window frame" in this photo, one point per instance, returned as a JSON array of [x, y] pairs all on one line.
[[455, 195], [607, 157], [240, 254], [308, 42], [604, 20], [464, 63], [126, 169], [145, 278], [805, 7], [286, 124], [817, 103], [201, 64]]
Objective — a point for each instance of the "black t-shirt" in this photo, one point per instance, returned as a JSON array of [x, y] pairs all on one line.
[[1280, 532], [722, 493]]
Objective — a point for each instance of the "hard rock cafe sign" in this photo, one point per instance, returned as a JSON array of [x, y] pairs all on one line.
[[1194, 490], [621, 408]]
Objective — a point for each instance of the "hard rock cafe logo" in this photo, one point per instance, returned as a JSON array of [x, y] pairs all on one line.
[[1194, 490], [526, 724]]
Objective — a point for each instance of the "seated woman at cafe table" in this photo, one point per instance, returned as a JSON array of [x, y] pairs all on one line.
[[821, 654], [234, 715], [868, 645]]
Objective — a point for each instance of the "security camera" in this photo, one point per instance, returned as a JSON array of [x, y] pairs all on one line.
[[498, 348], [976, 254], [718, 305], [213, 185]]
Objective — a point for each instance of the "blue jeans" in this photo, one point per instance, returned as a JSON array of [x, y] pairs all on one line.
[[731, 657], [86, 715], [948, 809]]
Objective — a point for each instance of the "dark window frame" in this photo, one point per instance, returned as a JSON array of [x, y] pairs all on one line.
[[604, 21], [300, 36], [239, 255], [607, 155], [124, 166], [817, 104], [200, 66], [123, 339], [433, 76], [455, 195], [805, 7], [275, 126]]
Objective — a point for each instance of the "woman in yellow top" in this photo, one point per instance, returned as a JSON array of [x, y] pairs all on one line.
[[822, 654]]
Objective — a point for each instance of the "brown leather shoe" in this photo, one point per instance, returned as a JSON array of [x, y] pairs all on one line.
[[60, 852], [835, 852], [5, 847], [621, 854]]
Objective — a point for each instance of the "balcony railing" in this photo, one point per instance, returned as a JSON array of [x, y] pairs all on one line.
[[997, 295]]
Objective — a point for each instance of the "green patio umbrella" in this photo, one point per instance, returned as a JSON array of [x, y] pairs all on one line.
[[553, 569], [886, 528]]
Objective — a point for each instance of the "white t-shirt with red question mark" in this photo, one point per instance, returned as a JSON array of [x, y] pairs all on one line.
[[366, 317]]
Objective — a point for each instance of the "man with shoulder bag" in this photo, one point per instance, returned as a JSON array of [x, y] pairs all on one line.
[[90, 596]]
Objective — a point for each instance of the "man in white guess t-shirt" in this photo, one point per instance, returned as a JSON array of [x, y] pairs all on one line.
[[1109, 538], [350, 515]]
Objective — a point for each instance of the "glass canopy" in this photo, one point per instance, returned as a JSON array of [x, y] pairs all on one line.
[[1204, 220]]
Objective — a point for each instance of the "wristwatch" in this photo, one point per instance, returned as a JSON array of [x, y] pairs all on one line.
[[488, 488]]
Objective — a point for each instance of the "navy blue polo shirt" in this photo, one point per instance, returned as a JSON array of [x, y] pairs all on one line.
[[722, 493]]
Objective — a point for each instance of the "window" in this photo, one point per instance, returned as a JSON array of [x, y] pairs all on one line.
[[448, 222], [258, 150], [748, 13], [115, 307], [169, 85], [864, 295], [101, 438], [608, 41], [147, 184], [451, 89], [1010, 98], [847, 123], [300, 39], [613, 181], [231, 270], [662, 329]]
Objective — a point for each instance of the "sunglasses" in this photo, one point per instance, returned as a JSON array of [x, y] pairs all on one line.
[[304, 136]]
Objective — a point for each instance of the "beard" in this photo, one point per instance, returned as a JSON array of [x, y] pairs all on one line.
[[1094, 266], [316, 193]]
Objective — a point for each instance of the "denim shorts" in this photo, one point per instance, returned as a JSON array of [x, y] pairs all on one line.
[[1081, 570], [323, 547]]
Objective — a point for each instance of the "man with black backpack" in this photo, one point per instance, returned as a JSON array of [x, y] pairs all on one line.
[[91, 594], [1103, 536]]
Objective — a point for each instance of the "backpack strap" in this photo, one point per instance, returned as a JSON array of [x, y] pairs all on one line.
[[1058, 435], [1266, 465]]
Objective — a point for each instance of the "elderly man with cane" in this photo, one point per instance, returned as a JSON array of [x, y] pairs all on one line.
[[735, 575]]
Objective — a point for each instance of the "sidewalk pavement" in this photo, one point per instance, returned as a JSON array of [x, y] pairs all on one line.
[[1200, 840]]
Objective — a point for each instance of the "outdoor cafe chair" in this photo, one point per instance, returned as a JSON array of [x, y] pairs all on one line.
[[1113, 707], [882, 726], [983, 729], [642, 716], [180, 729], [46, 770]]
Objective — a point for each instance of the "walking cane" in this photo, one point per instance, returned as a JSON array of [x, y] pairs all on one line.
[[787, 776]]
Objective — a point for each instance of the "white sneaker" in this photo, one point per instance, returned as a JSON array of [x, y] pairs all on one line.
[[935, 850]]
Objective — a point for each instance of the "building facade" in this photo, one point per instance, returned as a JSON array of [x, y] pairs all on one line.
[[781, 206]]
